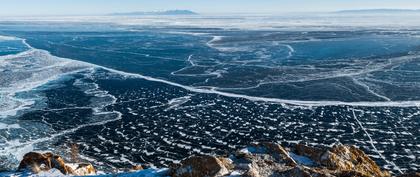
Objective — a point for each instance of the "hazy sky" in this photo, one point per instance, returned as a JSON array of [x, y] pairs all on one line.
[[65, 7]]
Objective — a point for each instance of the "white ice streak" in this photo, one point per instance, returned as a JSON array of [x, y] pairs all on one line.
[[217, 73], [213, 40], [291, 50], [223, 48], [371, 142], [370, 90], [176, 102], [8, 38], [274, 100]]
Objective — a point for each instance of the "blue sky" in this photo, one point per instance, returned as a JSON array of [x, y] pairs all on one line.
[[65, 7]]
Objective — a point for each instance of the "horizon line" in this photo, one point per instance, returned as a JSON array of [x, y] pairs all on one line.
[[207, 13]]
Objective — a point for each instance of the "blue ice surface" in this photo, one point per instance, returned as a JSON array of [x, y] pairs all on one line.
[[355, 47], [11, 47]]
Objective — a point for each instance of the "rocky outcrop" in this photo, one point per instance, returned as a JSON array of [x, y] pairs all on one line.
[[342, 158], [257, 160], [84, 169], [272, 160], [202, 166], [38, 162]]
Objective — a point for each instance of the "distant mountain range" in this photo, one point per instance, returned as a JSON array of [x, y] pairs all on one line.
[[381, 11], [168, 12]]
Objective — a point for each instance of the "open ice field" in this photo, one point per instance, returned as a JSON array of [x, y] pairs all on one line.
[[141, 92]]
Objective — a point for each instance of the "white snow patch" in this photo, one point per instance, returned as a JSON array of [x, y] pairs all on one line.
[[302, 160]]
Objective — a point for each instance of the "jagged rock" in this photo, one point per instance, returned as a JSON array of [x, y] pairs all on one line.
[[265, 160], [84, 169], [265, 168], [202, 166], [58, 163], [271, 160], [270, 151], [343, 159], [350, 158], [227, 163], [278, 151], [37, 162], [411, 174]]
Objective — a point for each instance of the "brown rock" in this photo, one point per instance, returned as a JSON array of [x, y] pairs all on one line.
[[296, 172], [36, 162], [277, 150], [227, 163], [350, 158], [200, 166], [58, 163], [136, 168], [252, 172], [347, 159]]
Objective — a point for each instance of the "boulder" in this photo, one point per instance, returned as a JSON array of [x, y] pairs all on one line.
[[200, 166], [38, 162], [342, 158], [35, 162]]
